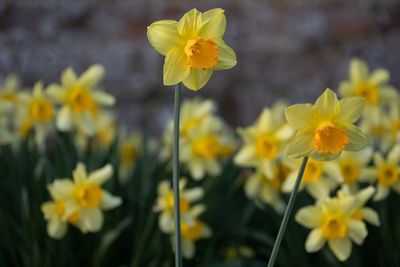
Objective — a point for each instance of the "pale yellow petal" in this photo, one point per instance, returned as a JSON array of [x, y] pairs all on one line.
[[394, 155], [193, 194], [61, 189], [247, 156], [301, 145], [56, 228], [309, 216], [370, 216], [102, 175], [91, 76], [197, 78], [341, 247], [109, 201], [357, 231], [103, 98], [214, 23], [91, 219], [358, 71], [188, 249], [163, 36], [315, 241], [351, 109], [327, 105], [299, 116], [68, 78], [226, 56], [175, 69], [382, 192], [56, 93], [190, 24], [357, 139], [379, 77]]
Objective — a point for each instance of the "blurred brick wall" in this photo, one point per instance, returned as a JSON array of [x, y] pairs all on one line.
[[286, 49]]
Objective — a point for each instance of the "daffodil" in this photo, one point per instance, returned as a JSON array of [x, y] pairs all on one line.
[[165, 204], [204, 146], [385, 172], [85, 197], [193, 112], [36, 113], [8, 90], [129, 147], [373, 87], [80, 102], [267, 189], [242, 251], [332, 222], [6, 109], [350, 166], [362, 213], [316, 178], [264, 140], [193, 47], [326, 128]]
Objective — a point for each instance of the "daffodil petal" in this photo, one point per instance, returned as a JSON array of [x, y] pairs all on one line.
[[91, 76], [91, 219], [109, 201], [55, 92], [309, 216], [68, 78], [56, 228], [357, 231], [193, 194], [246, 156], [300, 145], [357, 139], [214, 23], [102, 98], [370, 216], [379, 77], [64, 118], [163, 36], [358, 71], [315, 241], [188, 249], [299, 116], [102, 175], [61, 189], [197, 78], [341, 247], [226, 56], [175, 69], [351, 109], [327, 105], [381, 192], [190, 24], [166, 222], [394, 155]]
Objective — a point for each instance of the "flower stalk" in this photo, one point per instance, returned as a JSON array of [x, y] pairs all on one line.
[[287, 213], [175, 178]]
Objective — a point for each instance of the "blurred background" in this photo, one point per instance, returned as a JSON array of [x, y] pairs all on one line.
[[285, 49]]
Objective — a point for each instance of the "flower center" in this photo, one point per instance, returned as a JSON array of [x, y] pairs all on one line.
[[184, 205], [128, 153], [88, 195], [192, 232], [207, 147], [334, 227], [349, 170], [368, 91], [388, 174], [266, 146], [80, 100], [41, 110], [330, 139], [201, 53], [313, 171], [60, 208]]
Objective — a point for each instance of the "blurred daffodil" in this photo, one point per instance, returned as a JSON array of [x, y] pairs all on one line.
[[326, 128], [192, 232], [9, 88], [332, 221], [129, 147], [264, 141], [193, 47], [80, 102]]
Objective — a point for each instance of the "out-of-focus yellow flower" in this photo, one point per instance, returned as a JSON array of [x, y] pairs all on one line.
[[129, 147], [371, 86], [80, 102], [326, 128], [193, 112], [385, 172], [8, 90], [267, 189], [165, 204], [192, 232], [243, 251], [264, 141], [203, 147], [316, 179], [193, 47], [332, 221], [350, 166], [84, 197], [35, 112], [362, 213]]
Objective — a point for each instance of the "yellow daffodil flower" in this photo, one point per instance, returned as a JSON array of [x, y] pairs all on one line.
[[371, 86], [193, 47], [264, 140], [85, 197], [363, 213], [35, 112], [332, 221], [129, 147], [165, 204], [326, 128], [316, 179], [80, 102], [8, 90], [385, 172]]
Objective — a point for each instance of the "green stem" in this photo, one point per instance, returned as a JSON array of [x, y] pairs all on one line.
[[286, 216], [175, 179]]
